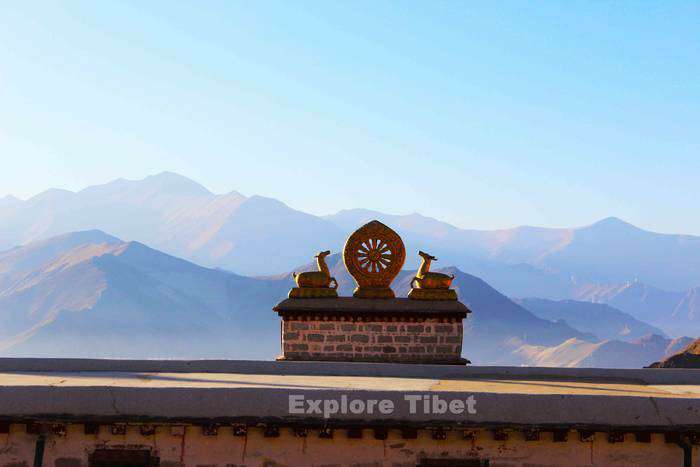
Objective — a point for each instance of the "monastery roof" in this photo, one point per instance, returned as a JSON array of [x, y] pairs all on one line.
[[353, 305], [258, 391]]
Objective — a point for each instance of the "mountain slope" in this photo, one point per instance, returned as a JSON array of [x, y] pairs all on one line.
[[134, 301], [176, 215], [602, 320], [131, 301], [607, 354], [688, 357], [677, 313], [614, 251], [8, 204], [608, 251], [264, 235]]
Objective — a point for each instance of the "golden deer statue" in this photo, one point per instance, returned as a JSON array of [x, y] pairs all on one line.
[[315, 284], [429, 285]]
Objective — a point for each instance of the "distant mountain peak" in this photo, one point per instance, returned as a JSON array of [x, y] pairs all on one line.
[[163, 183], [52, 194], [613, 221], [233, 194], [415, 222], [359, 211], [170, 176], [651, 338], [258, 201], [172, 180]]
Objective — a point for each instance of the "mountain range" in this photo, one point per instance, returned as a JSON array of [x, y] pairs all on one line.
[[606, 354], [606, 322], [608, 251], [677, 313], [179, 216], [607, 285], [252, 235], [90, 294]]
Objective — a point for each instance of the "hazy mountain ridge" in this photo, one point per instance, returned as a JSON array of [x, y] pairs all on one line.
[[91, 294], [8, 203], [608, 251], [255, 235], [179, 216], [606, 354], [677, 313], [101, 297], [261, 236], [600, 319]]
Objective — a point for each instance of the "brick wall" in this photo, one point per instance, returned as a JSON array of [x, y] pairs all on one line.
[[393, 339]]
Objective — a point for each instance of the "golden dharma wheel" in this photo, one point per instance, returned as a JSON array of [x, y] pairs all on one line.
[[374, 255]]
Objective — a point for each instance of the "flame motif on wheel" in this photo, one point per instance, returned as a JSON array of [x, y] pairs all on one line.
[[374, 255]]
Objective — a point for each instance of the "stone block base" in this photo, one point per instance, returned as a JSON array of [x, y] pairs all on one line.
[[428, 340], [380, 293], [432, 294], [313, 292], [392, 330]]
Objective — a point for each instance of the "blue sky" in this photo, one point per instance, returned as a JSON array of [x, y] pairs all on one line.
[[485, 115]]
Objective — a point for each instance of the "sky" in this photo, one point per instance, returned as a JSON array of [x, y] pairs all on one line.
[[482, 114]]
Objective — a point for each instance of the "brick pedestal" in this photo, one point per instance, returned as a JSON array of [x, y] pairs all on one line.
[[365, 330]]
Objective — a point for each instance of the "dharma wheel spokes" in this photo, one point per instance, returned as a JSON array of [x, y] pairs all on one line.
[[374, 255]]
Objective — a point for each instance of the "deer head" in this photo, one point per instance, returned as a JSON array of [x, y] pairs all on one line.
[[426, 256]]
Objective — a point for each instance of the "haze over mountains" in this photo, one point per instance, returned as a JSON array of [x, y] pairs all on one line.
[[638, 285], [605, 354], [88, 293], [252, 235], [677, 313], [609, 251], [622, 341], [91, 294], [602, 320], [181, 217]]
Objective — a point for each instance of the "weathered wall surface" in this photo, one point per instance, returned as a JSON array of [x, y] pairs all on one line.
[[190, 447], [423, 340]]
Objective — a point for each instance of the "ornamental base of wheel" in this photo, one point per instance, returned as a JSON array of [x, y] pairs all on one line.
[[432, 294], [313, 292], [365, 292]]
